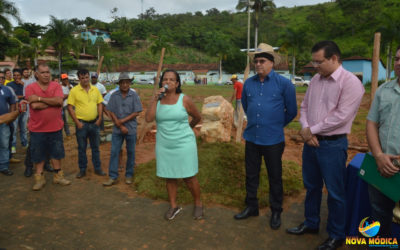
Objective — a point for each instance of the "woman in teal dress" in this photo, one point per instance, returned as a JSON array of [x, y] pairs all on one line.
[[176, 149]]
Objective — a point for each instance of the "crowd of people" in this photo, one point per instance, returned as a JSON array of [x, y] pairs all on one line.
[[269, 103]]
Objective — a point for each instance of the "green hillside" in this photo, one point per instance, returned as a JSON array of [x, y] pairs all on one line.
[[218, 35]]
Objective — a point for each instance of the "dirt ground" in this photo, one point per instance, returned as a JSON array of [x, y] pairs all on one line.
[[86, 215]]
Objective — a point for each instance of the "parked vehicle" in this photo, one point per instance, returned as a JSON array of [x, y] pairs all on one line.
[[73, 79], [144, 81], [298, 81]]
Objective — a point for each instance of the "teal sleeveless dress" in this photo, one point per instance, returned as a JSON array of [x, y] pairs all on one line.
[[176, 149]]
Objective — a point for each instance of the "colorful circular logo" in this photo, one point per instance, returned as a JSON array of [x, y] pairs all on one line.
[[369, 227]]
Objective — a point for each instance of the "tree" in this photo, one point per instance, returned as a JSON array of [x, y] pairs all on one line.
[[296, 40], [140, 29], [258, 7], [7, 9], [149, 14], [34, 30], [159, 42], [120, 39], [218, 44], [235, 61], [59, 36], [354, 9], [212, 12]]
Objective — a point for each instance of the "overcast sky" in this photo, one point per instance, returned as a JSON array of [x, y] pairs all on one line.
[[38, 11]]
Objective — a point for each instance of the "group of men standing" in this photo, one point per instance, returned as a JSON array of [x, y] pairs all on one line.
[[48, 103], [326, 115]]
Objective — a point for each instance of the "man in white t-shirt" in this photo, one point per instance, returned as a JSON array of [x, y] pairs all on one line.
[[27, 78], [65, 89], [98, 85], [103, 92]]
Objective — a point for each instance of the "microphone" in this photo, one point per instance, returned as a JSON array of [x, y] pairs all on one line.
[[161, 96]]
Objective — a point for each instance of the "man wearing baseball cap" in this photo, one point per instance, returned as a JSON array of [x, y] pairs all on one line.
[[65, 88], [103, 92], [269, 101], [99, 86], [237, 95]]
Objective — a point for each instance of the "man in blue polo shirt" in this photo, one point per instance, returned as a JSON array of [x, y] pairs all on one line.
[[269, 101], [20, 123], [7, 105]]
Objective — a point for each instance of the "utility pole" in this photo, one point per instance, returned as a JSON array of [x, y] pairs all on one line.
[[142, 7]]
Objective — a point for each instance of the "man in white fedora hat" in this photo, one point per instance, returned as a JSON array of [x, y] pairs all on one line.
[[269, 101]]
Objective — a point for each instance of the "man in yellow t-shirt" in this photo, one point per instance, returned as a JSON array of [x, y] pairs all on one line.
[[9, 76], [87, 117]]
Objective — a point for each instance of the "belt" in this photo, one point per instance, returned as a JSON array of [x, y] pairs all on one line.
[[92, 121], [330, 137]]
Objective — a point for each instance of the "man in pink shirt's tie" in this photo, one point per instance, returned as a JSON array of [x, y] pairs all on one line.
[[326, 115]]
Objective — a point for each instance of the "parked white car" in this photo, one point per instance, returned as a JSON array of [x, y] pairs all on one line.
[[73, 78], [298, 81], [144, 81]]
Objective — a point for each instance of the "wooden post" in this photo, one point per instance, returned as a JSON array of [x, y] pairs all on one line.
[[241, 112], [160, 64], [147, 126], [99, 66], [375, 64]]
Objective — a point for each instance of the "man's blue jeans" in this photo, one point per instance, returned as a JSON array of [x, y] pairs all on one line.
[[4, 146], [326, 164], [89, 131], [116, 144], [21, 124]]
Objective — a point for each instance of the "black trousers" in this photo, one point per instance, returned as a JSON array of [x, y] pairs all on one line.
[[273, 160], [382, 211]]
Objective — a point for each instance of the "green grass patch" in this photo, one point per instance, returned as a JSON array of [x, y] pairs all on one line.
[[301, 89], [221, 177], [295, 125]]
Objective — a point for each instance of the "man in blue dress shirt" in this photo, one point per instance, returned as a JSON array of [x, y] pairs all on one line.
[[269, 101]]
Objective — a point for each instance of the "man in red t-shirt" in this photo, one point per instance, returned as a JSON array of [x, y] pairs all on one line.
[[45, 125], [237, 95]]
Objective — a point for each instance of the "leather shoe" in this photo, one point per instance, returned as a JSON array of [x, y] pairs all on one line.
[[99, 172], [246, 213], [275, 221], [330, 244], [302, 229], [81, 174], [28, 172], [7, 172]]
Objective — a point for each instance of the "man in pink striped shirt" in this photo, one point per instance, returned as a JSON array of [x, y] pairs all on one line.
[[326, 115]]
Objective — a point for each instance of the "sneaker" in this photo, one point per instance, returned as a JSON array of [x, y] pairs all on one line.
[[128, 180], [110, 182], [13, 150], [172, 212], [198, 213]]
